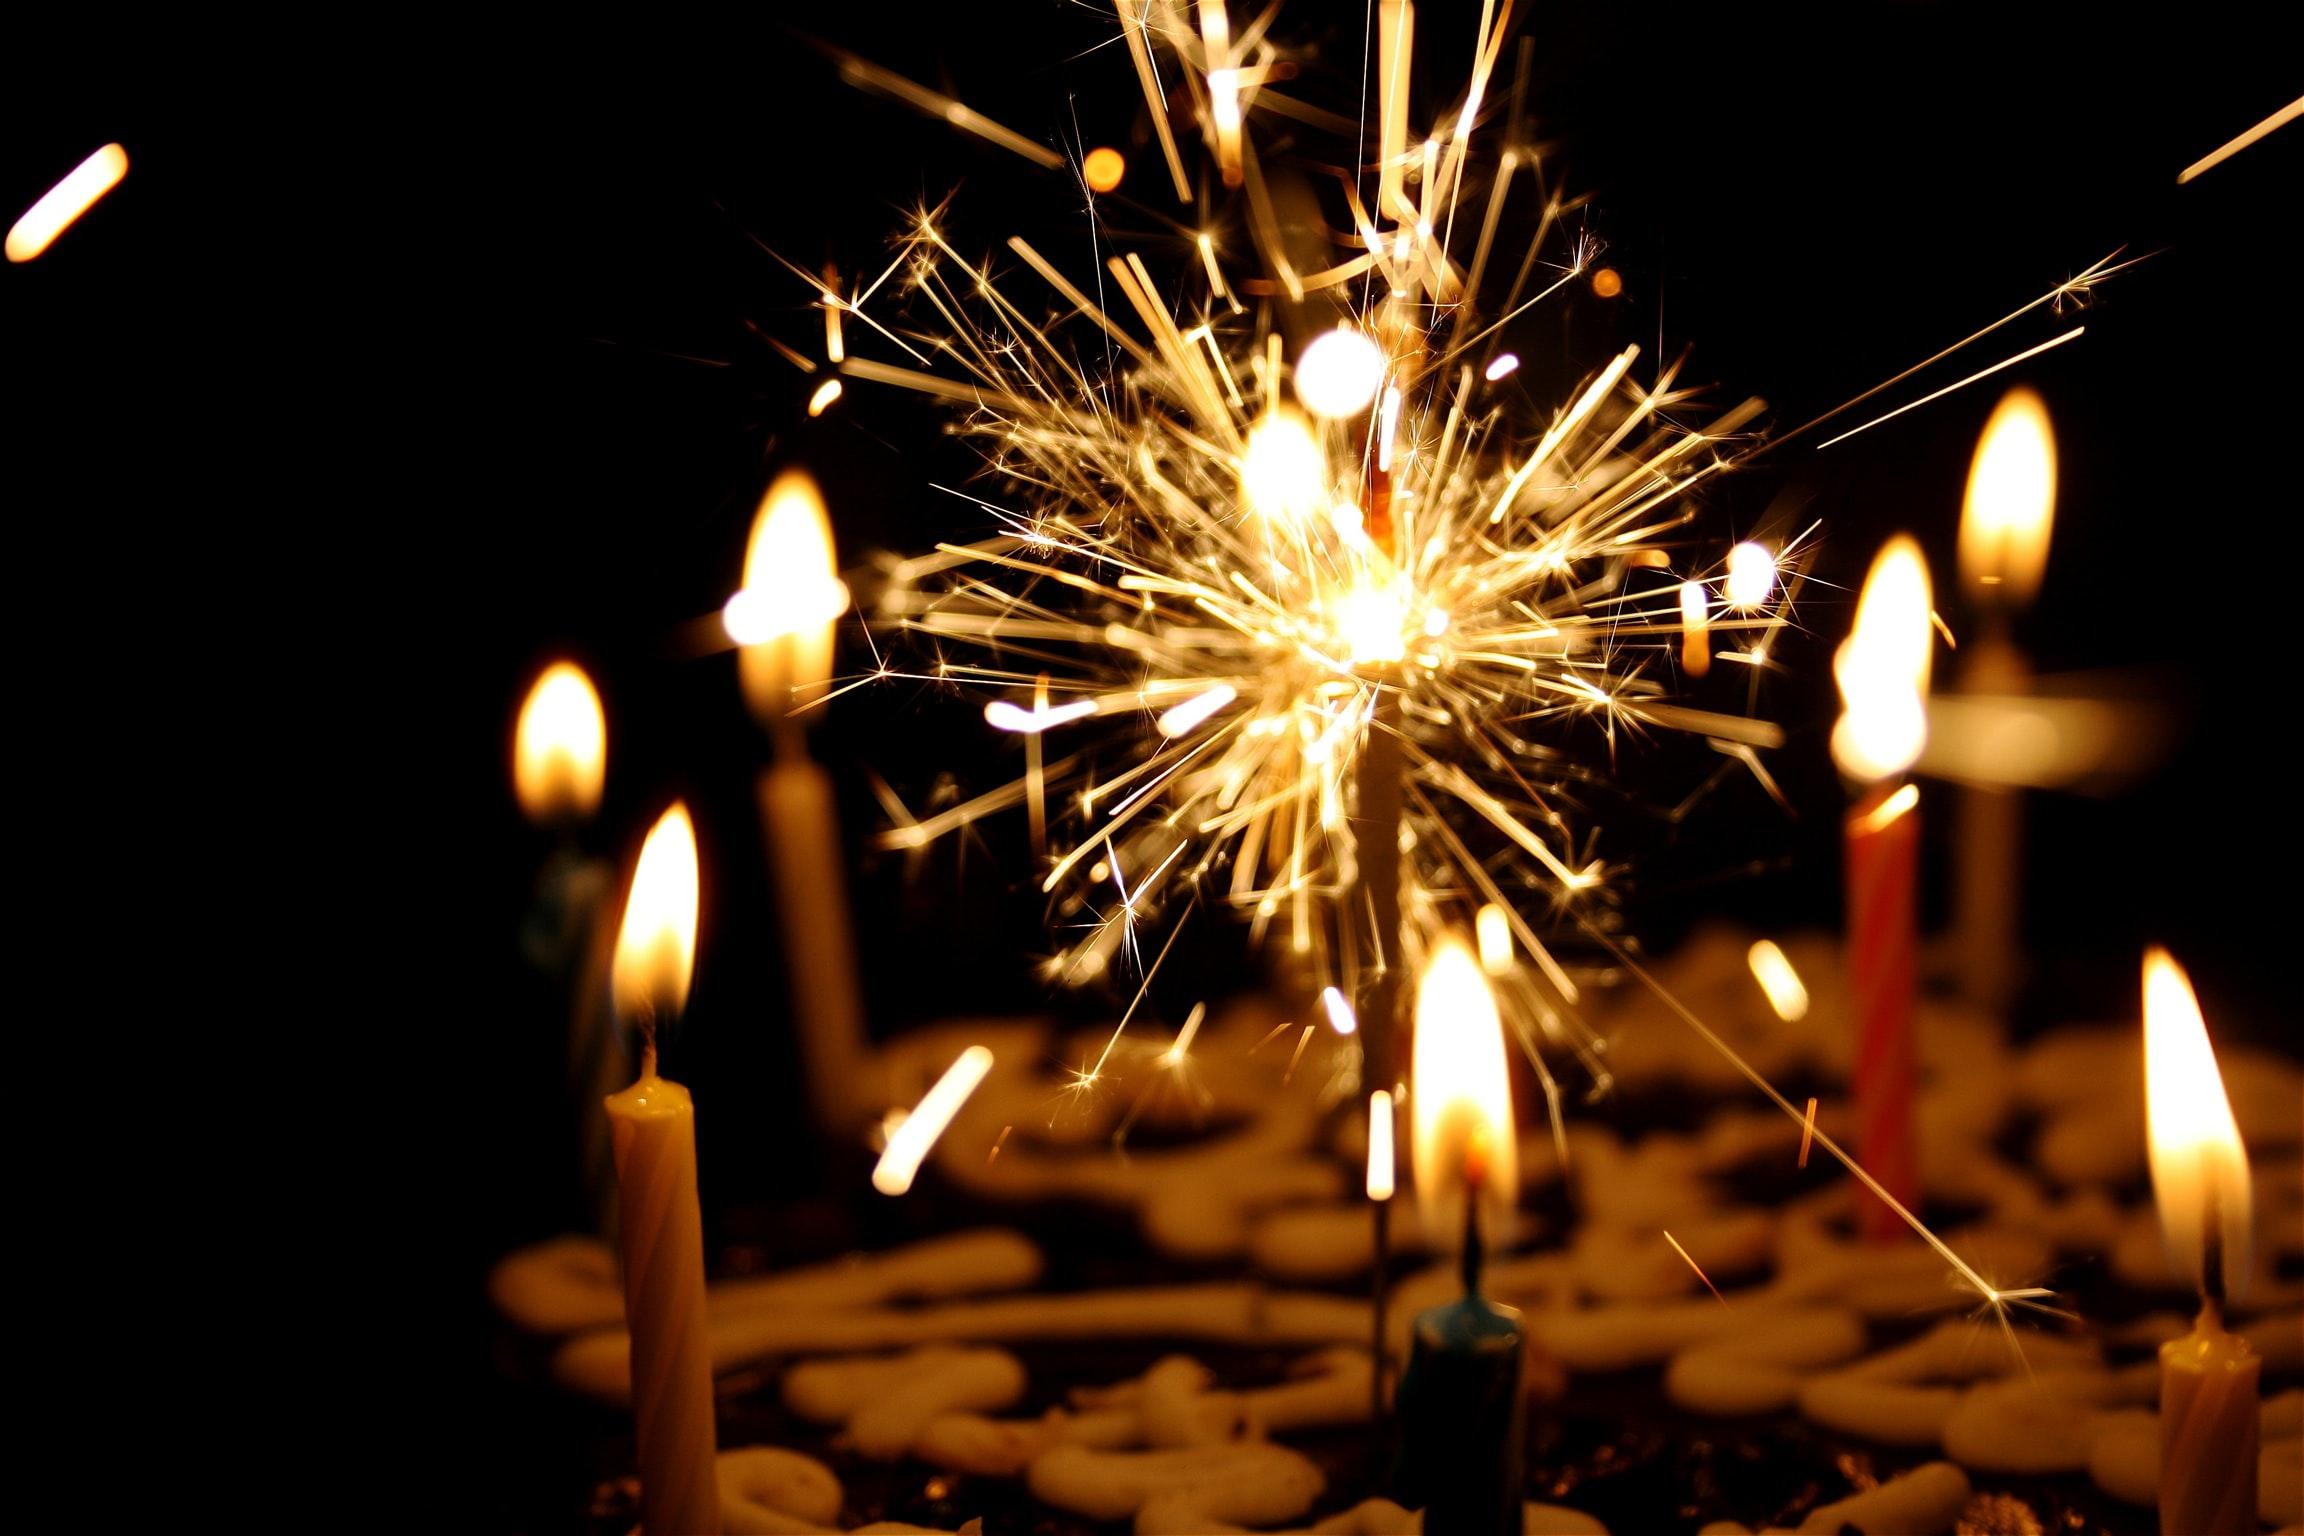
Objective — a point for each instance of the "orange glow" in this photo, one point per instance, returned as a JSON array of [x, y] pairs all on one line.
[[791, 598], [1695, 629], [656, 947], [560, 747], [1606, 283], [1381, 1178], [2011, 502], [1462, 1107], [2198, 1163], [917, 1134], [1104, 169], [1493, 927], [63, 203], [1882, 668], [826, 392]]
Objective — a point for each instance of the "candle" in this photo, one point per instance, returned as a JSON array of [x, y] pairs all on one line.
[[559, 767], [1882, 670], [2208, 1409], [783, 620], [2003, 546], [1460, 1401], [653, 1124]]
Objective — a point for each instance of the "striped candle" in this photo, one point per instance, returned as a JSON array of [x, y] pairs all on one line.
[[1882, 867]]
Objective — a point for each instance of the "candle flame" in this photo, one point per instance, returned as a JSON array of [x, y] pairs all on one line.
[[656, 947], [2011, 502], [560, 747], [61, 205], [2198, 1163], [912, 1141], [1463, 1093], [1381, 1178], [1695, 628], [792, 595], [1339, 373], [1772, 968], [1882, 668]]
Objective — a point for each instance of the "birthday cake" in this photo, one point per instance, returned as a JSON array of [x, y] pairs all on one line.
[[1175, 1337]]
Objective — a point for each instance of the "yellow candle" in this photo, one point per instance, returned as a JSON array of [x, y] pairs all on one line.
[[783, 620], [653, 1124], [2208, 1412]]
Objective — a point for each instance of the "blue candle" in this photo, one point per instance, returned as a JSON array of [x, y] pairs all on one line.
[[1462, 1434], [1463, 1429]]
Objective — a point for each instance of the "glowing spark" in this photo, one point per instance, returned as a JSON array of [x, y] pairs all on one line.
[[2219, 155], [1982, 373], [1341, 1018], [1807, 1131], [1493, 929], [1339, 373], [1606, 284], [1751, 575], [1002, 715], [1175, 1054], [1772, 968], [1692, 1264], [1302, 1041], [1506, 363], [921, 1129], [863, 72], [1189, 716], [1381, 1174], [826, 393], [64, 202], [997, 1143], [1284, 474]]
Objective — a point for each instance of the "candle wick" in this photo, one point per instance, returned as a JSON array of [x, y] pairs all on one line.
[[2212, 1255], [648, 1042], [1472, 1254]]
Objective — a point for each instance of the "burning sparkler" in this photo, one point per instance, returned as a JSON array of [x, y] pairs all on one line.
[[1316, 641]]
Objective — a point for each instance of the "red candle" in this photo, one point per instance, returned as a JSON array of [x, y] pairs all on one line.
[[1883, 674], [1882, 855]]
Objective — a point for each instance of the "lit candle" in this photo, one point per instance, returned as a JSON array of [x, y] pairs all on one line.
[[2208, 1409], [783, 619], [559, 766], [2003, 546], [1460, 1401], [654, 1126], [1882, 670]]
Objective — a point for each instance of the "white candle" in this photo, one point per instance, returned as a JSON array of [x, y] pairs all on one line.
[[783, 620], [662, 1232], [2004, 526]]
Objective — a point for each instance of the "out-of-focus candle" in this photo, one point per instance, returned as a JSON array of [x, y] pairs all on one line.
[[2004, 526], [783, 619], [2209, 1417], [1461, 1414], [1882, 670], [653, 1125], [559, 766]]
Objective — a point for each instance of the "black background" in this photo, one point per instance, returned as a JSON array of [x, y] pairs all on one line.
[[393, 371]]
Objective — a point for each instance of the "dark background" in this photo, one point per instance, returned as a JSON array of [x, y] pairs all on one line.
[[388, 376]]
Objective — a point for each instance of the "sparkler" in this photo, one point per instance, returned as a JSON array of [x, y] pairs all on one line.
[[1318, 619], [1297, 626]]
